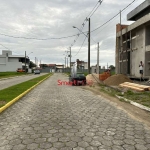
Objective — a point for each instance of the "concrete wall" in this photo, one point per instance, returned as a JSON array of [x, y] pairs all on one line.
[[147, 64], [93, 69], [138, 54], [13, 59], [147, 42], [10, 66], [139, 11], [2, 60]]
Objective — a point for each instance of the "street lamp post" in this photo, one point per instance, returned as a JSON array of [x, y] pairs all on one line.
[[70, 57], [70, 60], [88, 44], [80, 30], [89, 48], [26, 61]]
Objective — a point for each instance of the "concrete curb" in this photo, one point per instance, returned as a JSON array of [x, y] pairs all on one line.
[[134, 103], [20, 96]]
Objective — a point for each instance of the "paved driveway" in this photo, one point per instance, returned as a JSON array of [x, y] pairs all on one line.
[[4, 83], [53, 117]]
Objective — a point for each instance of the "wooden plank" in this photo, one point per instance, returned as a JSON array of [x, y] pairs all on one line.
[[132, 87], [137, 85]]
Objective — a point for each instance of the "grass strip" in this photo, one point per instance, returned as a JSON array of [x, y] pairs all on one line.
[[8, 94], [142, 98], [11, 74]]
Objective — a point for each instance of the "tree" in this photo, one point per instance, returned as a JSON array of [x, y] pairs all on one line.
[[43, 65], [112, 67], [31, 65]]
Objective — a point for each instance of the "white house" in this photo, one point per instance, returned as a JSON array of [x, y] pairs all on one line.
[[9, 62]]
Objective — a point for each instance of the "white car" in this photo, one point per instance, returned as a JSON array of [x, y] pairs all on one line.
[[36, 71]]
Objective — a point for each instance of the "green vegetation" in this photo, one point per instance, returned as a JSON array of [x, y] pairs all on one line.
[[139, 97], [12, 92], [85, 73], [10, 74], [68, 73]]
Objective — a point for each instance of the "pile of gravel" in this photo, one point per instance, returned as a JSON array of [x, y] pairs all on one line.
[[116, 79]]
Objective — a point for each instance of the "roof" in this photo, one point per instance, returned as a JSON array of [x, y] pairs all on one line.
[[50, 65], [59, 65], [16, 56], [140, 11], [138, 23]]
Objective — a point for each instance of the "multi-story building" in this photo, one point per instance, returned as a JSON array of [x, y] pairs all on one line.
[[133, 42], [81, 64], [9, 62]]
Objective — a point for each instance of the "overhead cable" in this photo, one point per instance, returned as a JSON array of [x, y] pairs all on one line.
[[100, 1], [81, 46], [20, 37], [113, 17], [84, 23], [4, 46]]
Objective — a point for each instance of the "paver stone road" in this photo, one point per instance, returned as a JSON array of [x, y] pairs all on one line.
[[53, 117]]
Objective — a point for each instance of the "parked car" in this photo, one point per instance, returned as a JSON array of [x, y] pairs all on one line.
[[20, 70], [78, 79], [36, 71]]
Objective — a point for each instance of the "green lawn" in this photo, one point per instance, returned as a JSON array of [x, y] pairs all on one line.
[[12, 92], [139, 97], [10, 74]]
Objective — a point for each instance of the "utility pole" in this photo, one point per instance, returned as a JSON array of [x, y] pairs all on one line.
[[25, 61], [89, 49], [65, 64], [121, 48], [67, 61], [98, 58], [35, 60], [70, 59]]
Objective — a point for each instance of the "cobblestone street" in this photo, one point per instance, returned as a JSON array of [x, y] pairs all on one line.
[[53, 117]]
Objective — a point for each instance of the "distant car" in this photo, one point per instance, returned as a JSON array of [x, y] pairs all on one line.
[[79, 79], [20, 70], [36, 71]]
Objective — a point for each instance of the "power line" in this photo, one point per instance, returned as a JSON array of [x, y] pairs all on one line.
[[84, 23], [28, 38], [8, 48], [93, 9], [77, 35], [4, 46], [107, 21], [100, 1], [113, 16], [36, 38], [80, 47]]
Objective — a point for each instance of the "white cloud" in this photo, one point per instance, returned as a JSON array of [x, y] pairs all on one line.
[[54, 19]]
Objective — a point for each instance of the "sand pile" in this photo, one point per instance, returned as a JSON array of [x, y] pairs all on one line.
[[89, 77], [116, 79]]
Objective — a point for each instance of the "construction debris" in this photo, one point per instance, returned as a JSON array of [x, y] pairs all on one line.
[[117, 79], [136, 87]]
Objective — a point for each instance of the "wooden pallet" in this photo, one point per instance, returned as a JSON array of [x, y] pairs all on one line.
[[136, 87]]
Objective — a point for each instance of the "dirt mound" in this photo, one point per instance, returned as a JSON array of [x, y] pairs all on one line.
[[116, 79], [89, 77]]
